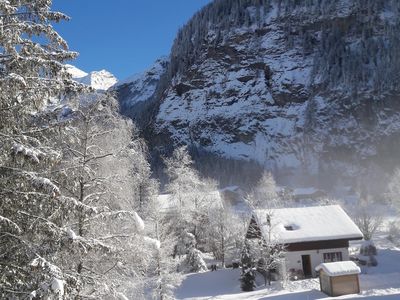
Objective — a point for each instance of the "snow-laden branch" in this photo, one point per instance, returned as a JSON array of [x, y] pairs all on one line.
[[98, 157], [15, 79], [95, 195], [30, 153], [40, 262], [50, 225], [43, 183], [124, 213], [10, 224], [106, 214], [80, 206]]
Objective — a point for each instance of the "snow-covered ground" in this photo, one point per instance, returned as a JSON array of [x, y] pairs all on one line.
[[380, 283]]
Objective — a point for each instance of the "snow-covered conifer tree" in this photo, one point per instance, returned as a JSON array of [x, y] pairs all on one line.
[[248, 276], [32, 75]]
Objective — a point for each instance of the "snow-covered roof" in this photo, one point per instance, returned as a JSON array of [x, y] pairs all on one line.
[[339, 268], [306, 224]]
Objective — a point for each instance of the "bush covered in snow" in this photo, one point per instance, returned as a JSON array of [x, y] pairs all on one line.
[[195, 261]]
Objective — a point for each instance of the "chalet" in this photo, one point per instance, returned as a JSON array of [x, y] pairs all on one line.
[[311, 235]]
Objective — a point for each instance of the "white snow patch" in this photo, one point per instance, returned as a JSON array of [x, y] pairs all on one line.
[[71, 234], [57, 285], [138, 221], [155, 244]]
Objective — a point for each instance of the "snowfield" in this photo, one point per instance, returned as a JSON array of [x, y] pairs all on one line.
[[381, 282]]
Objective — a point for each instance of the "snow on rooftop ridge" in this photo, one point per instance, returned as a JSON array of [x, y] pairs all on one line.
[[316, 223], [339, 268]]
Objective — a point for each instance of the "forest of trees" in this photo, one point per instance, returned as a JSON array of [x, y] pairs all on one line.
[[337, 61], [80, 216]]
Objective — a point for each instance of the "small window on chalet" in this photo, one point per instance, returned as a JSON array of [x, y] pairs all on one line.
[[289, 228], [333, 256]]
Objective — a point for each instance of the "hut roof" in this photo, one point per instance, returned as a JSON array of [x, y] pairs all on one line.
[[339, 268]]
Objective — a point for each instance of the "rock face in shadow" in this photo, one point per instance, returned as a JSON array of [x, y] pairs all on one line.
[[137, 93]]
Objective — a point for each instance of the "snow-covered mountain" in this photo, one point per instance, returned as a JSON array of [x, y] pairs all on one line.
[[137, 92], [301, 87], [99, 80]]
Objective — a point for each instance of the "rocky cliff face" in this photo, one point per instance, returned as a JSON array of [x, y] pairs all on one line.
[[136, 94], [301, 87]]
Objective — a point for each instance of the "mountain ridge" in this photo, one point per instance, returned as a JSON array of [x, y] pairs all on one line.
[[99, 80], [303, 89]]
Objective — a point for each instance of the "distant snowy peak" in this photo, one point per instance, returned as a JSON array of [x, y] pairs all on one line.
[[99, 80], [75, 72]]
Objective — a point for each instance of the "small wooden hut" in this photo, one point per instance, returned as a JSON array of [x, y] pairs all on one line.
[[339, 278]]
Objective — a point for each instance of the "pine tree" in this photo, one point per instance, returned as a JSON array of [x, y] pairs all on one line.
[[248, 276], [195, 260], [31, 77]]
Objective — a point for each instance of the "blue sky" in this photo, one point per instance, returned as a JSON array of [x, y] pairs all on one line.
[[122, 36]]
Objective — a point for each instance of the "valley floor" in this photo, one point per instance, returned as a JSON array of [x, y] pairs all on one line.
[[380, 283]]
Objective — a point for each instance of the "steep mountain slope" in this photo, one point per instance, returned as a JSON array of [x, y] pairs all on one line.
[[302, 87], [137, 92], [99, 80]]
